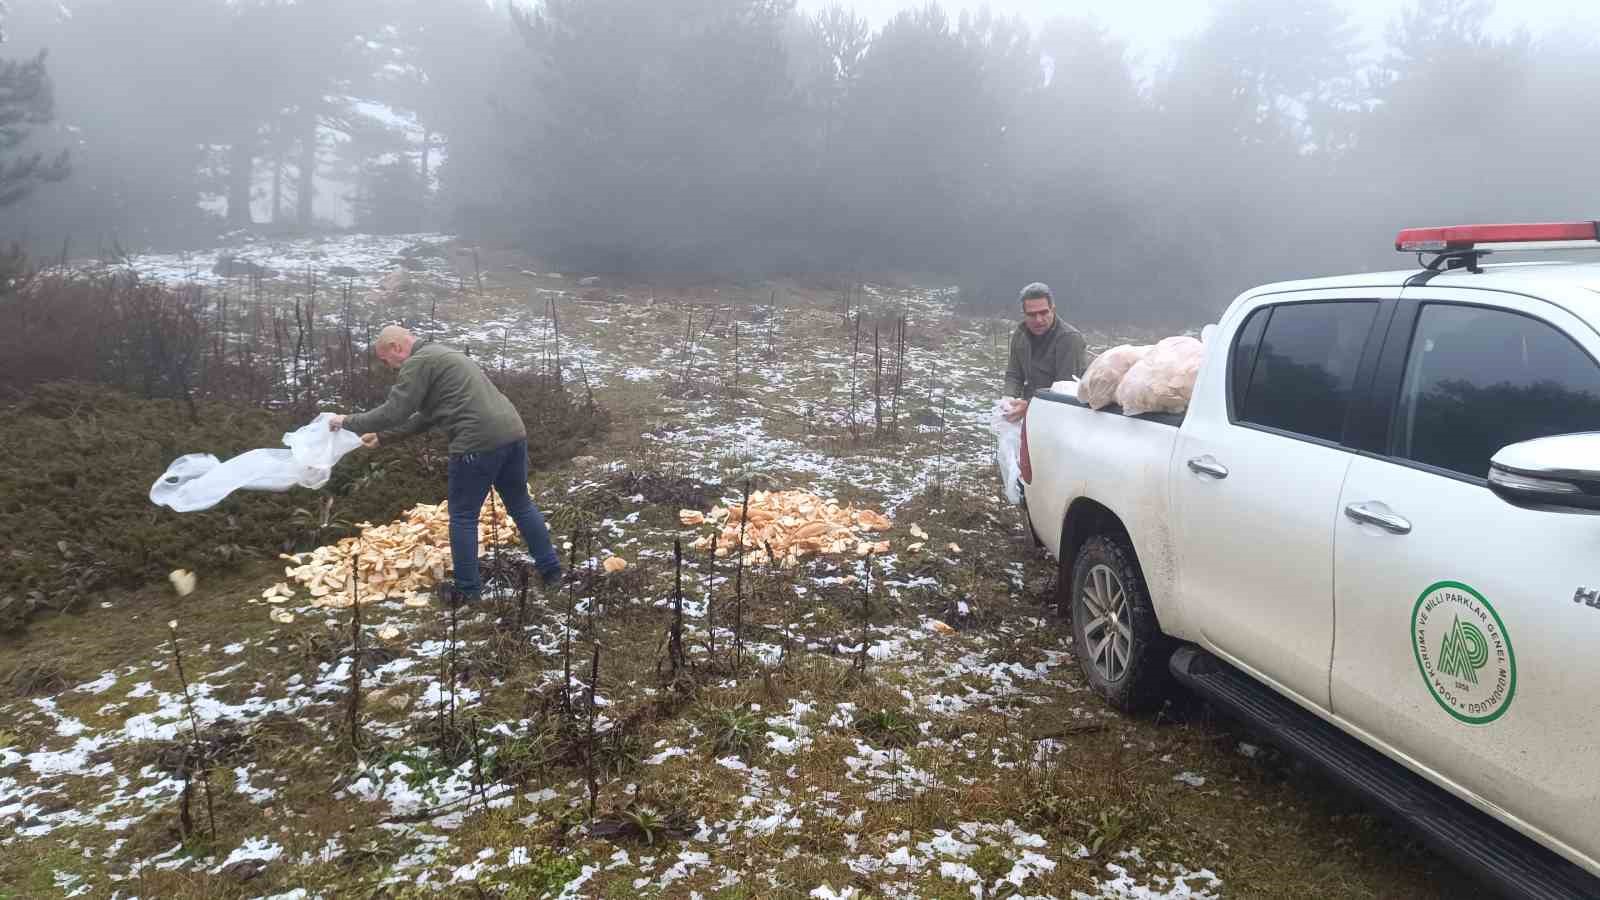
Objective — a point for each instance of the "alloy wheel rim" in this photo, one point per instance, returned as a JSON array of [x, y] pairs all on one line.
[[1105, 625]]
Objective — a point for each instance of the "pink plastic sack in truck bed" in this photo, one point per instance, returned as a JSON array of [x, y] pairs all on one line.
[[1098, 386], [1163, 381]]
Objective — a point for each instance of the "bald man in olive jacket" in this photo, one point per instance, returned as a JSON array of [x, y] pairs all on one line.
[[440, 387]]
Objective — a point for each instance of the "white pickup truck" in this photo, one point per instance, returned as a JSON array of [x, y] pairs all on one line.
[[1375, 535]]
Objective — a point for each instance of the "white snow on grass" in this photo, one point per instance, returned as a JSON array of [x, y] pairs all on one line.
[[243, 787], [772, 799], [786, 734], [688, 861], [290, 260], [664, 755], [74, 761], [261, 849], [405, 795], [1178, 883], [69, 884], [98, 686], [899, 778]]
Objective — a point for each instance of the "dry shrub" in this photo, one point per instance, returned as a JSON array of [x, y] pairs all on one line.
[[112, 329], [112, 377]]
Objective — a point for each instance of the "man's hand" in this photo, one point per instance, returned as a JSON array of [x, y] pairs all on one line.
[[1018, 410], [336, 423], [370, 440]]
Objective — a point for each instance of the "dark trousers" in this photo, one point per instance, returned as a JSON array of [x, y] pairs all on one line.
[[471, 475]]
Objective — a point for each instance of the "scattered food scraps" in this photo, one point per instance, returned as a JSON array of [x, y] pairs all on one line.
[[182, 581], [791, 525]]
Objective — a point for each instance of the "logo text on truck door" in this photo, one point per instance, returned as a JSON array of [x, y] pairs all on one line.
[[1463, 653]]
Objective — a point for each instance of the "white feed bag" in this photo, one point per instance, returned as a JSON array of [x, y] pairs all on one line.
[[199, 481]]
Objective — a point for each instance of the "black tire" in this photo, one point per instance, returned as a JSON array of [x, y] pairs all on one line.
[[1125, 665]]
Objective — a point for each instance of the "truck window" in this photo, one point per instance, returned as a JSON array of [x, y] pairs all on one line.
[[1306, 366], [1479, 378], [1246, 346]]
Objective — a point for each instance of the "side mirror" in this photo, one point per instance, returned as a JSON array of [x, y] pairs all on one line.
[[1556, 473]]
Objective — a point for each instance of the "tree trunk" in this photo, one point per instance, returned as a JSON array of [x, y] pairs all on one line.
[[277, 179], [423, 189], [427, 146], [308, 171], [241, 168]]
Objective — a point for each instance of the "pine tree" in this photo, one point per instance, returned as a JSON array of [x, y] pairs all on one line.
[[25, 101], [389, 197]]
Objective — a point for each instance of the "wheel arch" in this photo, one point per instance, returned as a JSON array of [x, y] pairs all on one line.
[[1084, 519]]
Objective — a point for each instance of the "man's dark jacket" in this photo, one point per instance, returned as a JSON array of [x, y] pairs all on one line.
[[1060, 354], [440, 387]]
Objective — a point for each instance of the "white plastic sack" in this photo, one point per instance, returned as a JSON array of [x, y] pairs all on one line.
[[1008, 449], [1098, 387], [199, 481], [1163, 381]]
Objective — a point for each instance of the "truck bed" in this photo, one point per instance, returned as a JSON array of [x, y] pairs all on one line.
[[1120, 462], [1173, 419]]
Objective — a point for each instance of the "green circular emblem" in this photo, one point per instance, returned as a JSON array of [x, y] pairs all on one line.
[[1463, 653]]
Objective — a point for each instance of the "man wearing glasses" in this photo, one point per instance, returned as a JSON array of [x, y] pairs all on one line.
[[1044, 350]]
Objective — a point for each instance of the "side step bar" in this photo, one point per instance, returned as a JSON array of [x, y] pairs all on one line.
[[1496, 854]]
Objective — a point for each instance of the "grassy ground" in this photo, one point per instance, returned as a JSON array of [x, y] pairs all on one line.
[[78, 462], [778, 764]]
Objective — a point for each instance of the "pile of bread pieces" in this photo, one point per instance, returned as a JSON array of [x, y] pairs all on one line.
[[787, 526], [401, 560]]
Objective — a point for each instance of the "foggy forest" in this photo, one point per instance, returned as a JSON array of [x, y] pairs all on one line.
[[749, 137], [552, 449]]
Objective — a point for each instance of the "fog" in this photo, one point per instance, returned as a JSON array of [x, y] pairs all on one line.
[[1151, 27], [1149, 160]]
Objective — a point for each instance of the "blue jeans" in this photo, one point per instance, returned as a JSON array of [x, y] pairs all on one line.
[[471, 475]]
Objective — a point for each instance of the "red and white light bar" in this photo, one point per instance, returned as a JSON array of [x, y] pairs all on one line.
[[1489, 237]]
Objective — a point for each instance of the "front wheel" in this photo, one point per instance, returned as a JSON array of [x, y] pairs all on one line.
[[1115, 636]]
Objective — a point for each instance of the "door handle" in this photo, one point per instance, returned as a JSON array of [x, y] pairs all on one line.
[[1205, 465], [1367, 515]]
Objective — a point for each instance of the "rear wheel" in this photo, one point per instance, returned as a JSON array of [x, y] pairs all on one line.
[[1115, 636]]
